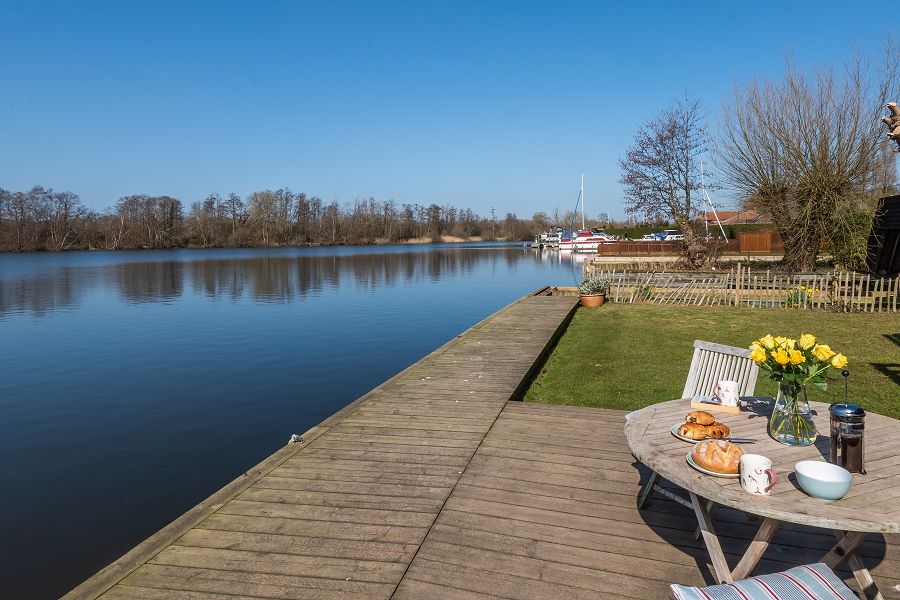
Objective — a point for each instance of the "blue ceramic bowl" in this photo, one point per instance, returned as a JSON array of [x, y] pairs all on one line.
[[823, 480]]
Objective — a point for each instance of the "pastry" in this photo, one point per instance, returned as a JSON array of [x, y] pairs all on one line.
[[693, 431], [700, 416], [718, 456], [717, 430]]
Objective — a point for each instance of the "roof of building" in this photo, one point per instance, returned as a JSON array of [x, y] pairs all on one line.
[[735, 217]]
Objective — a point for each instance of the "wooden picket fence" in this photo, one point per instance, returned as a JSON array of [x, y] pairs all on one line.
[[837, 290]]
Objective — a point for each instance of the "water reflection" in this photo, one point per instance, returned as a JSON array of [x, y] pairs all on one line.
[[148, 282], [38, 295], [264, 279]]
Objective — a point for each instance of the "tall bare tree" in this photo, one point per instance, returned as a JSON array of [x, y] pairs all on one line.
[[808, 150], [661, 171]]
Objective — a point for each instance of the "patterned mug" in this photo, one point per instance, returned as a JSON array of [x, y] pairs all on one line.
[[757, 475], [726, 392]]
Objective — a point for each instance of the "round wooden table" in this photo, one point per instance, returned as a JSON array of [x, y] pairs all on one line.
[[871, 506]]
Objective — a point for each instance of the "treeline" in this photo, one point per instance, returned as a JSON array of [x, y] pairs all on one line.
[[42, 219]]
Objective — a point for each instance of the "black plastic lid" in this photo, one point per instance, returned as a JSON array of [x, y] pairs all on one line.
[[847, 410]]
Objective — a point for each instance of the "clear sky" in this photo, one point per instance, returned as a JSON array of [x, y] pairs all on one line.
[[476, 104]]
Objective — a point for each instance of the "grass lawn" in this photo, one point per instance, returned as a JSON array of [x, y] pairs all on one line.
[[627, 356]]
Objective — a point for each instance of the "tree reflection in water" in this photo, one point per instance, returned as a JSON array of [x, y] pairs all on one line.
[[265, 278]]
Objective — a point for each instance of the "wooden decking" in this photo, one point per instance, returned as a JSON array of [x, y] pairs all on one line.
[[546, 509], [437, 485]]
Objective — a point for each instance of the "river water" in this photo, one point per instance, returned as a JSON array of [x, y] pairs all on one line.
[[135, 384]]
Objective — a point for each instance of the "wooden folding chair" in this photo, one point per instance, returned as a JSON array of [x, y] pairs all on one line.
[[711, 364]]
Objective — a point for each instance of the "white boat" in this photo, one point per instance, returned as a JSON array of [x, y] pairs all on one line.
[[549, 239], [583, 240]]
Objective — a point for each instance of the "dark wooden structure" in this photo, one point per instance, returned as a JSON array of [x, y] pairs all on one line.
[[884, 240]]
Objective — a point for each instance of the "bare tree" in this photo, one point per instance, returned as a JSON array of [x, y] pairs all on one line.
[[661, 171], [41, 219], [808, 150], [65, 217]]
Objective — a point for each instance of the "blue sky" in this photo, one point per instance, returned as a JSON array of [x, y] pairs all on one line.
[[476, 104]]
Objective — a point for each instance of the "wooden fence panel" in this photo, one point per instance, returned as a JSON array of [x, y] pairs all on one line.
[[760, 241], [842, 291]]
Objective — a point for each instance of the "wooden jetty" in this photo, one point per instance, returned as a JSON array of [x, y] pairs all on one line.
[[439, 484]]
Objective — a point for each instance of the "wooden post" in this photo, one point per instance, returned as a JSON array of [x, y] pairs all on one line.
[[896, 292]]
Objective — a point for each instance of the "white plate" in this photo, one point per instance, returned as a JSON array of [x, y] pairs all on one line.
[[675, 428], [690, 460]]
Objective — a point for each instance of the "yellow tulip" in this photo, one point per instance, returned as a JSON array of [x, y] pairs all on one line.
[[839, 361], [797, 357], [822, 352], [781, 357], [790, 344], [768, 342], [780, 340], [807, 341], [758, 354]]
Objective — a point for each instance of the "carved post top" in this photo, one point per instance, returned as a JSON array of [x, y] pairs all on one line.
[[893, 123]]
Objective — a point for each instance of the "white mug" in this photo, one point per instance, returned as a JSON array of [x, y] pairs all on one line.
[[757, 475], [726, 392]]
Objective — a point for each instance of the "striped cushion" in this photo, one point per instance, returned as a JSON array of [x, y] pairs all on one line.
[[810, 582]]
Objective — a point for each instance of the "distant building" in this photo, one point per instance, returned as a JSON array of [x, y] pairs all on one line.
[[737, 217]]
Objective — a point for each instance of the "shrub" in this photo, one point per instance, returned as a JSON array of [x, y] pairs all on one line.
[[595, 284]]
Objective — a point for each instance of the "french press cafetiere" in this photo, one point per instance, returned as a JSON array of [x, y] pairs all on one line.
[[848, 423]]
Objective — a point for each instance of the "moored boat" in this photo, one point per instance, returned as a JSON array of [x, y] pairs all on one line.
[[583, 240]]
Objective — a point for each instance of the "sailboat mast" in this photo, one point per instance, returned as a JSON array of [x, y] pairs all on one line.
[[582, 201], [711, 205]]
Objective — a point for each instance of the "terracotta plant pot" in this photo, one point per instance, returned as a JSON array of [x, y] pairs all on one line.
[[592, 300]]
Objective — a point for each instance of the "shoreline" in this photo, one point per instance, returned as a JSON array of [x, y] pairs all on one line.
[[409, 242]]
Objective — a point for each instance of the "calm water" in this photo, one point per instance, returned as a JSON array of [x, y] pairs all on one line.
[[135, 384]]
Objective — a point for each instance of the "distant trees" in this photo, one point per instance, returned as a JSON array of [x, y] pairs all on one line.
[[661, 171], [809, 151], [147, 222], [42, 219]]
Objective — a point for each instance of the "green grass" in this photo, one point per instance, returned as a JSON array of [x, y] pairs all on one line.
[[627, 356]]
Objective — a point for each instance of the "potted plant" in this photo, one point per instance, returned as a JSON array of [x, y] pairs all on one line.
[[792, 364], [593, 290]]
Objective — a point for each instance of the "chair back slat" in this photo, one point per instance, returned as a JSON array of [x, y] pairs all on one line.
[[712, 363]]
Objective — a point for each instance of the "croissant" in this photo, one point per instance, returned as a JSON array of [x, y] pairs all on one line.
[[717, 430], [694, 431], [719, 456], [700, 416]]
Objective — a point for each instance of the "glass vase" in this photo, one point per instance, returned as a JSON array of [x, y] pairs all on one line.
[[791, 421]]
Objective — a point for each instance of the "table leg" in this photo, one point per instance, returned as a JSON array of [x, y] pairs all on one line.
[[647, 490], [757, 548], [846, 545], [710, 507], [864, 578], [845, 549], [720, 565]]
